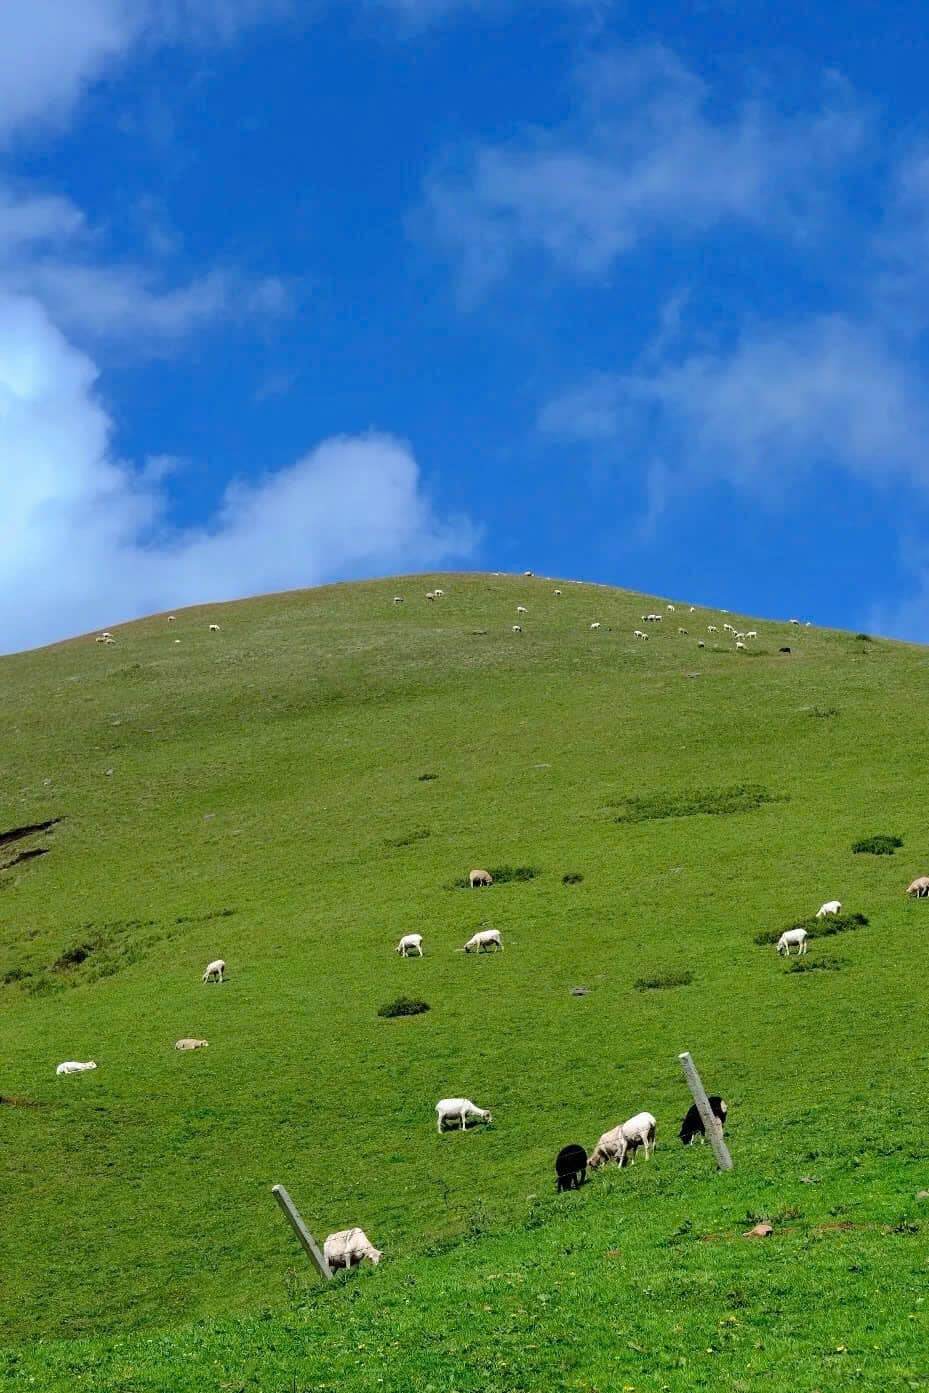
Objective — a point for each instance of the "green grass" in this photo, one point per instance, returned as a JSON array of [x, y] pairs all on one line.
[[266, 804]]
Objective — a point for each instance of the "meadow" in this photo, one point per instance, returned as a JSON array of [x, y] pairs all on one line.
[[300, 789]]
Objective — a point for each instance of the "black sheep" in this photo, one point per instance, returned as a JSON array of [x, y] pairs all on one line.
[[570, 1167], [692, 1126]]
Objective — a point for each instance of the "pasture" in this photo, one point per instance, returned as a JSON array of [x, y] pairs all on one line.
[[296, 792]]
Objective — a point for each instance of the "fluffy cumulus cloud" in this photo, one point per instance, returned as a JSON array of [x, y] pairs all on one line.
[[644, 153], [80, 527]]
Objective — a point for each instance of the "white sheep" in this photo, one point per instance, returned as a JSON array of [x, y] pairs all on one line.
[[483, 940], [595, 624], [188, 1044], [919, 887], [557, 592], [682, 631], [620, 1141], [448, 1109], [517, 628], [75, 1066], [739, 644], [670, 608], [170, 618], [477, 878], [214, 971], [527, 573], [693, 609], [398, 599], [99, 639], [410, 944], [214, 628], [752, 633], [348, 1248], [712, 629], [638, 633], [438, 594], [521, 609], [108, 638], [830, 907], [795, 621], [700, 643], [791, 937], [430, 594]]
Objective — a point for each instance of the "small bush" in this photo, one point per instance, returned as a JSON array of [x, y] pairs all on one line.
[[15, 974], [878, 846], [419, 835], [427, 778], [864, 638], [823, 713], [818, 965], [403, 1006], [502, 875], [73, 957], [572, 878], [817, 928], [658, 984], [715, 802]]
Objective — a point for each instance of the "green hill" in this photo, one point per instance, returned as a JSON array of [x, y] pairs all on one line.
[[295, 792]]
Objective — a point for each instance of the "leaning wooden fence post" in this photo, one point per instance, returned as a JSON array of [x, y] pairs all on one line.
[[300, 1229], [711, 1124]]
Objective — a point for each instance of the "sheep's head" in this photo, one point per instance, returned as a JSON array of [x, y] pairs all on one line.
[[596, 1159], [487, 1115], [375, 1255]]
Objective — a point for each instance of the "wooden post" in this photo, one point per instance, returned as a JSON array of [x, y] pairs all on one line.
[[300, 1229], [711, 1124]]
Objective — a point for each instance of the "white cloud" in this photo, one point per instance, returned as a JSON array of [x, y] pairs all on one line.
[[84, 537], [784, 403], [644, 152]]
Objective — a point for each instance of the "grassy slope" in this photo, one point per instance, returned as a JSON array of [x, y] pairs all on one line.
[[264, 770]]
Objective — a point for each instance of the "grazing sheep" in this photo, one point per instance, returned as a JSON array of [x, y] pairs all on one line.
[[214, 971], [595, 624], [795, 621], [191, 1044], [830, 907], [670, 609], [482, 941], [478, 877], [693, 609], [74, 1066], [438, 594], [682, 631], [398, 599], [700, 643], [557, 592], [517, 628], [638, 633], [348, 1248], [99, 639], [521, 609], [170, 618], [410, 944], [919, 887], [108, 638], [625, 1140], [752, 633], [739, 644], [692, 1127], [570, 1168], [448, 1109], [790, 937], [729, 628], [712, 629], [214, 628]]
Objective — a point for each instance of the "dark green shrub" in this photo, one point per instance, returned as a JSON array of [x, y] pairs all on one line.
[[714, 802], [502, 875], [818, 964], [419, 835], [878, 846], [403, 1006], [824, 713], [572, 878], [817, 928], [427, 778], [669, 979], [865, 638]]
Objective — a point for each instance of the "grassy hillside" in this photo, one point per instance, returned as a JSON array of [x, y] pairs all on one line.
[[259, 794]]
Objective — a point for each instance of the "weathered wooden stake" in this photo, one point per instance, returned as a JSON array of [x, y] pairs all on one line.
[[711, 1124], [300, 1229]]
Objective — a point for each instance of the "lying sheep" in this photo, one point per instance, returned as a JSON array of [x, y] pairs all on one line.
[[830, 907], [410, 944], [75, 1066], [478, 878], [214, 971], [348, 1248], [792, 938], [484, 940], [625, 1140], [448, 1109], [191, 1044]]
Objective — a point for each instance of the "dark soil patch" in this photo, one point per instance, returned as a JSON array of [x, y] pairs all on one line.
[[16, 834]]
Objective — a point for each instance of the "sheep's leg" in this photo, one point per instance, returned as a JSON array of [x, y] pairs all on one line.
[[463, 1122]]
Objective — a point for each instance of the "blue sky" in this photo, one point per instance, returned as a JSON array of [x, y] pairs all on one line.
[[296, 291]]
